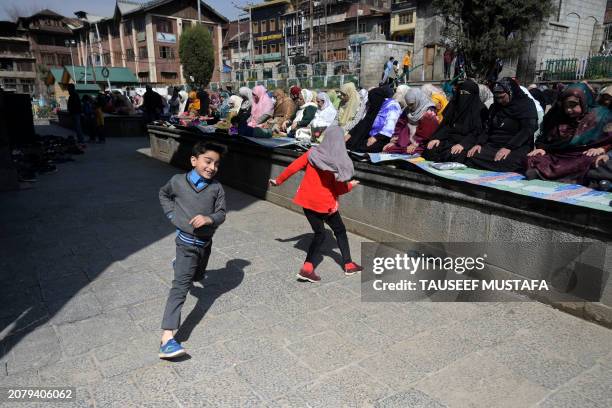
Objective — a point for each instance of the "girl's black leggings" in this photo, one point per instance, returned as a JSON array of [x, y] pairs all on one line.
[[317, 222]]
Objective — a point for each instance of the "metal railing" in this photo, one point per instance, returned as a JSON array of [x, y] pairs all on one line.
[[570, 69]]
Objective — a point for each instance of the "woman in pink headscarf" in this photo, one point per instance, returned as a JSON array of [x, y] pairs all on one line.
[[262, 109]]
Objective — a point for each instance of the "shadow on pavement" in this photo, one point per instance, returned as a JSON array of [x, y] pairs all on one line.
[[327, 249], [85, 245], [215, 283]]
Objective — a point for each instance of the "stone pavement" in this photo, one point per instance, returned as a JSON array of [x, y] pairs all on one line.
[[85, 269]]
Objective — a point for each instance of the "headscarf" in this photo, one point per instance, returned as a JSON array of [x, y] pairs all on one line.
[[440, 102], [463, 113], [520, 106], [400, 95], [486, 96], [591, 129], [307, 95], [538, 96], [215, 100], [421, 104], [235, 101], [295, 91], [430, 89], [376, 99], [333, 97], [247, 97], [348, 110], [264, 106], [183, 98], [325, 116], [331, 155], [606, 91], [194, 101]]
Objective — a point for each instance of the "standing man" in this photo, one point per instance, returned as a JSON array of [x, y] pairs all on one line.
[[75, 109], [406, 64], [449, 55]]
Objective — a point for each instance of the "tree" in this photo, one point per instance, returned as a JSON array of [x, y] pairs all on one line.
[[197, 55], [485, 30]]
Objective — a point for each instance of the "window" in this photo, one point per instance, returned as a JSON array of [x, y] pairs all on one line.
[[142, 53], [164, 26], [129, 54], [6, 65], [273, 48], [127, 27], [143, 76], [64, 59], [114, 31], [169, 75], [26, 86], [362, 28], [272, 25], [264, 49], [257, 50], [166, 52], [106, 59], [25, 66], [405, 18], [139, 25], [256, 27], [46, 40], [10, 83]]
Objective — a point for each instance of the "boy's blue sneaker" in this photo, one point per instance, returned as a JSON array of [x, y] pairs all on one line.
[[171, 349]]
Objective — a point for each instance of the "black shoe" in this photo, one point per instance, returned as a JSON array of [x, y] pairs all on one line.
[[604, 185]]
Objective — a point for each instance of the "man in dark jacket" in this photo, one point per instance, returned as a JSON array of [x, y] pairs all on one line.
[[75, 109]]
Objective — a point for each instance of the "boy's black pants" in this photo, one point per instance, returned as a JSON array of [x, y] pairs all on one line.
[[317, 222], [190, 265]]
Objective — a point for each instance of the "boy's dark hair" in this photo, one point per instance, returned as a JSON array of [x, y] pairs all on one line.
[[202, 147]]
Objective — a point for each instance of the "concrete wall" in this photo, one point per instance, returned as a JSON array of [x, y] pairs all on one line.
[[571, 36], [374, 54], [400, 205]]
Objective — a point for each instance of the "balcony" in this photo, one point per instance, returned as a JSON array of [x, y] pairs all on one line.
[[271, 56]]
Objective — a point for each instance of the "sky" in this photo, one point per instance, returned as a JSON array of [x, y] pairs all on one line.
[[103, 8]]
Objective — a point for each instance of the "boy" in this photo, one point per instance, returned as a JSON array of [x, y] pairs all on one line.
[[195, 203]]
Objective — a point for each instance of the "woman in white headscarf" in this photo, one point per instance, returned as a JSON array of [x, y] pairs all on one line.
[[234, 104], [183, 98], [305, 114], [400, 95], [244, 112], [326, 113], [486, 96]]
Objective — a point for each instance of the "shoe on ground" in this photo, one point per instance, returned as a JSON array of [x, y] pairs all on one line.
[[352, 268], [172, 349], [307, 273]]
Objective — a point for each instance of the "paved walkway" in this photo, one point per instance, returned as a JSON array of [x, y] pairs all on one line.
[[85, 269]]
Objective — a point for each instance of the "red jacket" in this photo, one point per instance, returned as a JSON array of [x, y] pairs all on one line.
[[319, 189]]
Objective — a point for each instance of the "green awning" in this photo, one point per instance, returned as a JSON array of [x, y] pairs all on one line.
[[87, 89], [116, 75]]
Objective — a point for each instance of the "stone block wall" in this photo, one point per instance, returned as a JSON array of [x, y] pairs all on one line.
[[374, 55]]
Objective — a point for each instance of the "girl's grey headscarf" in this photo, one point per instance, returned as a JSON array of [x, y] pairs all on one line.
[[331, 155]]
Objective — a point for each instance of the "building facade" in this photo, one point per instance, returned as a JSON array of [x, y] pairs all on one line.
[[237, 48], [267, 27], [17, 62], [144, 38], [403, 20], [336, 29]]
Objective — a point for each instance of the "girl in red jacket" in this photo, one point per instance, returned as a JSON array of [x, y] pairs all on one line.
[[327, 175]]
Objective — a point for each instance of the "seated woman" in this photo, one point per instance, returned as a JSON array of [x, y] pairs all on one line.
[[575, 131], [438, 97], [193, 105], [349, 104], [324, 117], [284, 109], [415, 126], [233, 104], [262, 107], [306, 112], [374, 131], [605, 97], [508, 134], [460, 128], [400, 95], [334, 98]]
